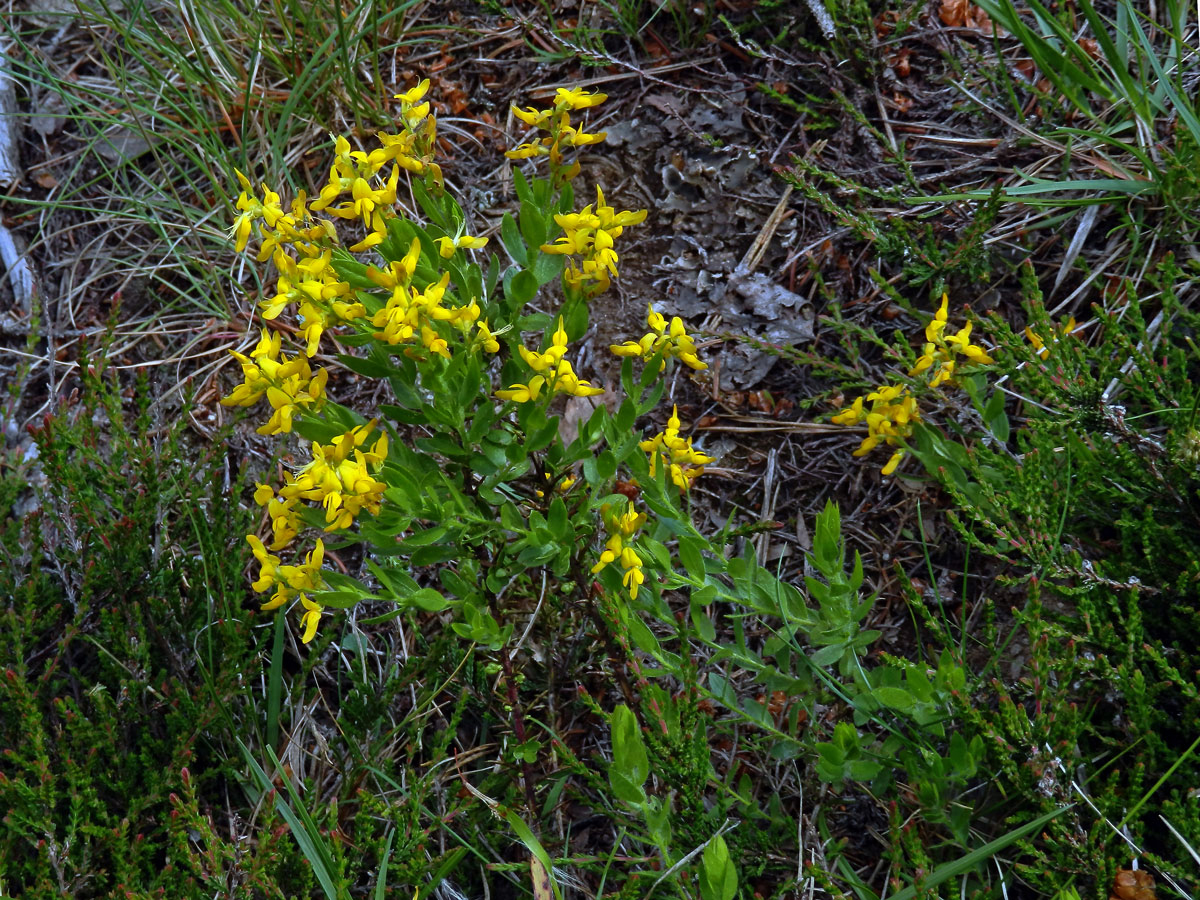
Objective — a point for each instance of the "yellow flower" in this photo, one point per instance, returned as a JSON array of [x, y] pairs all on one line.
[[962, 341], [633, 577], [555, 373], [251, 209], [447, 245], [684, 463], [556, 122], [523, 393], [288, 384], [485, 338], [590, 234], [889, 420], [941, 349], [1057, 332], [268, 575], [621, 528], [310, 619], [290, 582], [851, 416], [673, 343], [564, 381], [339, 477], [434, 342], [576, 98], [413, 95], [535, 118]]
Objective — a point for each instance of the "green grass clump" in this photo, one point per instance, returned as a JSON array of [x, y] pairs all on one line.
[[161, 104]]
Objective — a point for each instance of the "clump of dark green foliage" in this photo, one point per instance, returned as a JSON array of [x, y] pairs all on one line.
[[124, 648]]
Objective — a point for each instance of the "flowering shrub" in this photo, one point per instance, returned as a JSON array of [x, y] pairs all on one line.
[[449, 478], [894, 411]]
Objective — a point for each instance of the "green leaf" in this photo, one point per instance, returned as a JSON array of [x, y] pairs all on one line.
[[627, 415], [548, 267], [894, 698], [444, 446], [606, 465], [559, 522], [643, 638], [722, 690], [718, 876], [510, 237], [626, 790], [533, 225], [525, 834], [521, 185], [455, 583], [522, 289], [370, 366], [428, 600], [426, 536], [690, 557], [703, 624], [629, 750], [827, 656]]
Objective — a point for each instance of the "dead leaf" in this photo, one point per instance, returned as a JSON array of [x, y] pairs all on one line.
[[964, 14], [979, 20], [541, 879], [1133, 884], [953, 13]]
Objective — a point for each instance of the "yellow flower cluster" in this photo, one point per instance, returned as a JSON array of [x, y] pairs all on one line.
[[590, 235], [674, 343], [893, 410], [355, 178], [340, 479], [288, 384], [1059, 331], [890, 420], [352, 174], [621, 528], [308, 279], [554, 374], [683, 463], [357, 189], [290, 583], [556, 122], [409, 314], [318, 294], [941, 349], [361, 188]]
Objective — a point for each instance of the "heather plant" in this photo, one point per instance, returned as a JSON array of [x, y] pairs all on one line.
[[1073, 502], [124, 644]]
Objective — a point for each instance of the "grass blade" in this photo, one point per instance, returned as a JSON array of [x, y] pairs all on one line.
[[971, 861]]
